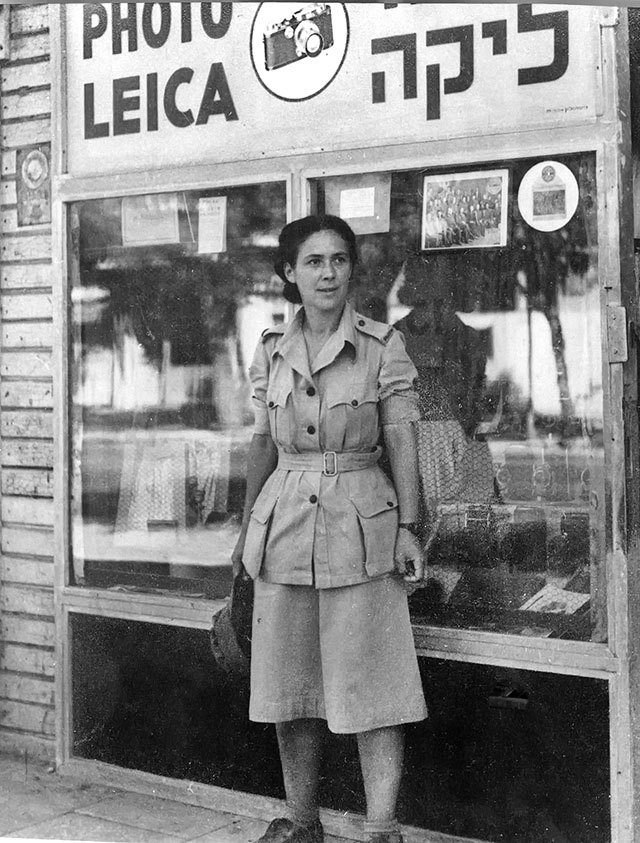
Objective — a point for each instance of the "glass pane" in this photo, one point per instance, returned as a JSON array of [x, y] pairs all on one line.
[[169, 293], [492, 277], [505, 755]]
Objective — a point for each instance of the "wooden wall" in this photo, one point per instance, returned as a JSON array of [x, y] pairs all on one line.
[[27, 629]]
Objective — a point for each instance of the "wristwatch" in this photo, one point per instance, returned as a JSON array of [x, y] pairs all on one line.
[[412, 526]]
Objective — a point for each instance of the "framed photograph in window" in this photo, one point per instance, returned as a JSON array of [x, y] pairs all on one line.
[[465, 210]]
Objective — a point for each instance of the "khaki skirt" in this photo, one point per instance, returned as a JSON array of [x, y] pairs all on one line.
[[345, 655]]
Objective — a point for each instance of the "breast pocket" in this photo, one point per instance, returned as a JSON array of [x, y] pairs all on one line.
[[378, 520], [354, 408], [280, 409]]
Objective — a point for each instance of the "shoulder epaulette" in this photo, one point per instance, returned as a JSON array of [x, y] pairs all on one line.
[[380, 330], [273, 330]]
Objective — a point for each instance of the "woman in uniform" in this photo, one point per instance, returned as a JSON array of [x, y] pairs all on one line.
[[327, 537]]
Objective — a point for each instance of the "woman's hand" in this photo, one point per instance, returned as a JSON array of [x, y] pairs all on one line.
[[408, 556]]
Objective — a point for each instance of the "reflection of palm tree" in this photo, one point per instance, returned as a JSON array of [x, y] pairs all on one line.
[[545, 263]]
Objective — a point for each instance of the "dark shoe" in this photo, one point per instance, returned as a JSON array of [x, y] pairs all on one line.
[[283, 830], [386, 837]]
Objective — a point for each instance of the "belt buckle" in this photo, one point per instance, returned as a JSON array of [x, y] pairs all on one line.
[[329, 463]]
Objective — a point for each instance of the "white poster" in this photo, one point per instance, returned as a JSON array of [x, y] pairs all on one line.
[[357, 202], [212, 224], [152, 218]]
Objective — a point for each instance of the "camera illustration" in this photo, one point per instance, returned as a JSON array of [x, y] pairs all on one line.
[[307, 32]]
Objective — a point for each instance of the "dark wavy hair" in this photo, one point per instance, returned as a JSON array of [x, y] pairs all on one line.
[[294, 234]]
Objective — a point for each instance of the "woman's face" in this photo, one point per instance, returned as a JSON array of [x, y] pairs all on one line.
[[322, 271]]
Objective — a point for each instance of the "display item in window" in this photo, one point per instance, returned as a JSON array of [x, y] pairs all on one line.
[[169, 484]]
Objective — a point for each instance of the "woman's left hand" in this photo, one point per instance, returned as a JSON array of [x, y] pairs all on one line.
[[408, 556]]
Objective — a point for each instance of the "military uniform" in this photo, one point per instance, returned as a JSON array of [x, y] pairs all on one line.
[[331, 633]]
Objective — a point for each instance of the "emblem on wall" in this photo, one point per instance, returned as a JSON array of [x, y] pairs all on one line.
[[297, 51], [33, 185]]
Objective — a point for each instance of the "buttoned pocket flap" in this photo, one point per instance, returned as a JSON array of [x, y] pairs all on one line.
[[378, 519], [354, 394], [277, 396], [263, 508], [374, 504], [258, 531]]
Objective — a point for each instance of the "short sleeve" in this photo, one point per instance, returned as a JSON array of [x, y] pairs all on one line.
[[398, 399], [259, 375]]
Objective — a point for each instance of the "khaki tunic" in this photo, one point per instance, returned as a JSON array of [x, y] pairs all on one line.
[[307, 528]]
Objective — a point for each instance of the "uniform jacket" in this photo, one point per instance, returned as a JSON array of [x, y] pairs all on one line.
[[307, 528]]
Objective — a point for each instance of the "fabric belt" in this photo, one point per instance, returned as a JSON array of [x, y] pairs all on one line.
[[329, 463]]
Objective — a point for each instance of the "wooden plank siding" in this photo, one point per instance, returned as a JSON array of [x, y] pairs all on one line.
[[22, 659], [27, 628]]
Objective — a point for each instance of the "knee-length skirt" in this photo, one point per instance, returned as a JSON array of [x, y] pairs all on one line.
[[344, 654]]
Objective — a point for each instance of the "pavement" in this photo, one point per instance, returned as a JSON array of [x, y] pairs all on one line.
[[38, 804]]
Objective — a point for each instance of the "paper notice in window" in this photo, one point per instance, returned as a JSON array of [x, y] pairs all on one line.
[[148, 219], [212, 225], [358, 202]]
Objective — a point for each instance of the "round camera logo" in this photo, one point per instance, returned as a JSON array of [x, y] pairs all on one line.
[[298, 50]]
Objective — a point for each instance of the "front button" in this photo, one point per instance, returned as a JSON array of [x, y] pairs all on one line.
[[313, 499], [311, 392], [389, 503], [271, 404], [361, 323], [311, 429], [354, 403]]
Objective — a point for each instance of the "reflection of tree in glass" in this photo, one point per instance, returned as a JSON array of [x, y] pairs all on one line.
[[539, 266], [547, 261], [383, 255], [171, 297]]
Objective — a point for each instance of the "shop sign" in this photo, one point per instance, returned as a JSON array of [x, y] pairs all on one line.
[[163, 84]]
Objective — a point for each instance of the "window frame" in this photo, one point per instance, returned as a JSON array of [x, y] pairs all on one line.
[[298, 171]]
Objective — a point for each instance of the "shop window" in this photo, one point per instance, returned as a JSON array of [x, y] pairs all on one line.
[[491, 274], [505, 754], [169, 294]]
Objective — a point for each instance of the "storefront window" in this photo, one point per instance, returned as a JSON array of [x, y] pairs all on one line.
[[169, 295], [491, 273]]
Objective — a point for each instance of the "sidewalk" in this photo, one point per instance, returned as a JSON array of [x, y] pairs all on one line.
[[35, 803]]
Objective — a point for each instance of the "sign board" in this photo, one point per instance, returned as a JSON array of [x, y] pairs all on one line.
[[164, 84]]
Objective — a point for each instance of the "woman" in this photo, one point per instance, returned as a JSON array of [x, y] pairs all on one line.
[[321, 534]]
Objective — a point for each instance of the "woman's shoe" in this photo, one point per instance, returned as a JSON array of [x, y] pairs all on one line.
[[283, 830]]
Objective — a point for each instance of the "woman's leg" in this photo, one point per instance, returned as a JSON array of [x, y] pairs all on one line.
[[381, 756], [300, 744]]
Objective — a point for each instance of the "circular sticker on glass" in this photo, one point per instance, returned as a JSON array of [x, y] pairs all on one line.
[[548, 196], [297, 50]]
